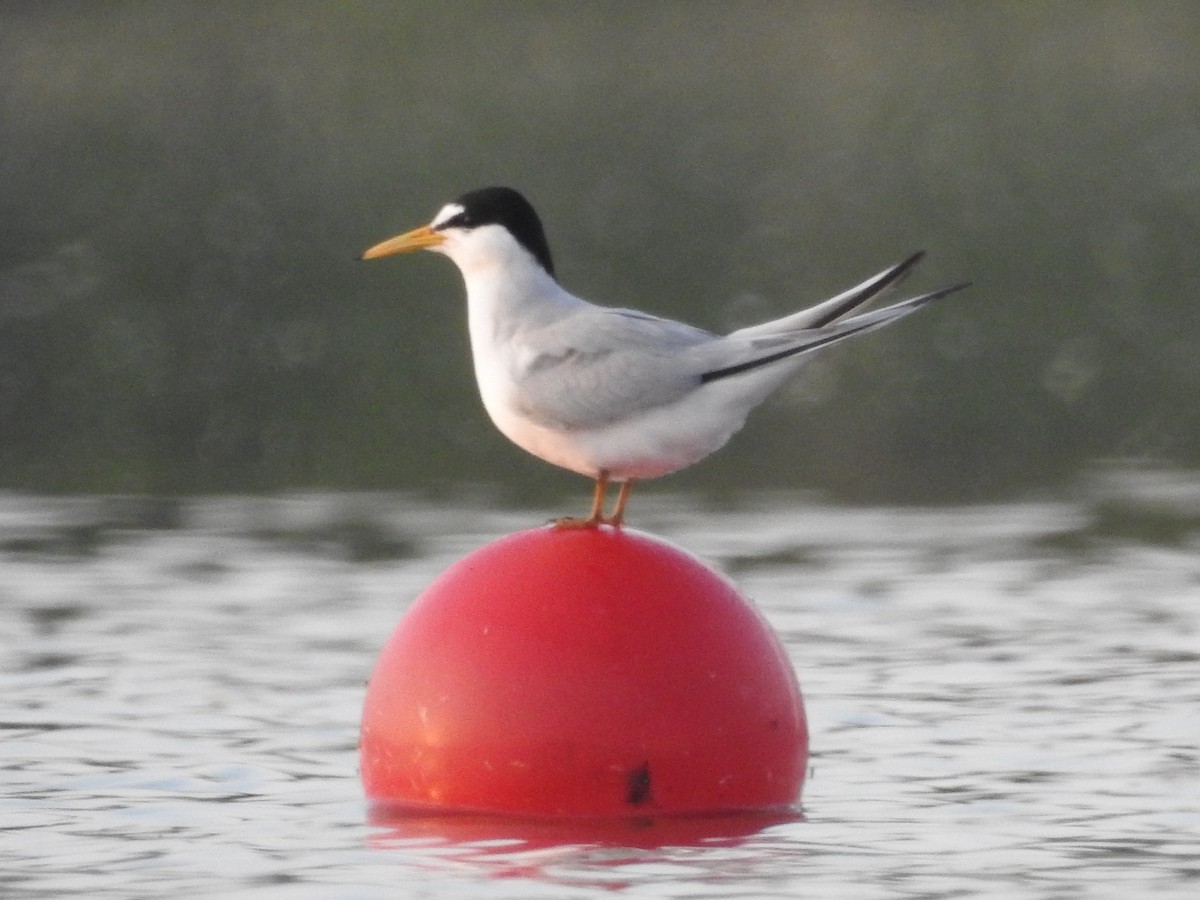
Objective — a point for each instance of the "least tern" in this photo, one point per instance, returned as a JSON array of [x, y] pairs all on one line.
[[615, 394]]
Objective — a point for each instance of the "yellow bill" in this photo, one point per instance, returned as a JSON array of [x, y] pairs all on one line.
[[418, 239]]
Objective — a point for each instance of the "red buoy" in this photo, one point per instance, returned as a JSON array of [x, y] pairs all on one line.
[[590, 672]]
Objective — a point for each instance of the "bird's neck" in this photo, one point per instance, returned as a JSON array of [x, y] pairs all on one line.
[[502, 300]]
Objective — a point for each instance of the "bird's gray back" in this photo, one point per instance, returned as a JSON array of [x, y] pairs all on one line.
[[597, 365]]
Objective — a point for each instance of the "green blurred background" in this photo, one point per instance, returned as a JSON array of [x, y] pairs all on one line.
[[185, 186]]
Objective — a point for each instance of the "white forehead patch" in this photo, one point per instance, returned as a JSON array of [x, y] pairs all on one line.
[[446, 213]]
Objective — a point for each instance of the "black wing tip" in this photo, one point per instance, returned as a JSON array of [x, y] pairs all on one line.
[[902, 308], [900, 270], [870, 290], [944, 292]]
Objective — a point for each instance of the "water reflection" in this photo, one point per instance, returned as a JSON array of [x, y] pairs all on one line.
[[488, 834]]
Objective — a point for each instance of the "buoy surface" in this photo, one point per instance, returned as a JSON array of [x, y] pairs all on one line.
[[591, 672]]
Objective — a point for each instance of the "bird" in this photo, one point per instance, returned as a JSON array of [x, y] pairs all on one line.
[[616, 394]]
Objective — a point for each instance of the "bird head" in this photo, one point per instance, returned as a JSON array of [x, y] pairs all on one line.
[[483, 228]]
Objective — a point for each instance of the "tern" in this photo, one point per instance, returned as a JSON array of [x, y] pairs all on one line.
[[615, 394]]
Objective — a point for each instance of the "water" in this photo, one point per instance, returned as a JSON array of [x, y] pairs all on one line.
[[1004, 701]]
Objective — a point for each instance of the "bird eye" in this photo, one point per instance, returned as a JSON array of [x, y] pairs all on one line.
[[461, 220]]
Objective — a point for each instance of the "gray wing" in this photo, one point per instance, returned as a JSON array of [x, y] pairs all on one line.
[[598, 365]]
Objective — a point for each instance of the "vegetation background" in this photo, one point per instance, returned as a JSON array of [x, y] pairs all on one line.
[[184, 189]]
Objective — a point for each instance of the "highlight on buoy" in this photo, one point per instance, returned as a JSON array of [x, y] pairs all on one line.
[[593, 672]]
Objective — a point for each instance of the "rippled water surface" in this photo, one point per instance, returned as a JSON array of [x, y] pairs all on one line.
[[1004, 701]]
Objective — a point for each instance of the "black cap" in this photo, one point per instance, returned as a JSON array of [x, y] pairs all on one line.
[[506, 207]]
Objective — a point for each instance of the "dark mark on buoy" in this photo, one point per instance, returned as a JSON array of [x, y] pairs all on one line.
[[639, 785]]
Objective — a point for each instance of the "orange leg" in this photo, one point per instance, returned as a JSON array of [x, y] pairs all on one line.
[[596, 516], [618, 516]]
